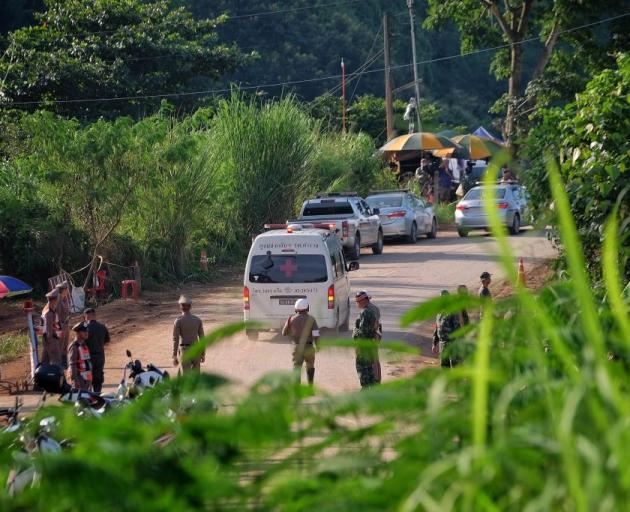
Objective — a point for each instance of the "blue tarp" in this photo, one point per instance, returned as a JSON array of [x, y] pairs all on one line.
[[482, 132]]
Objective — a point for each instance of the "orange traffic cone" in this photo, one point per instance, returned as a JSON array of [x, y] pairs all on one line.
[[521, 272]]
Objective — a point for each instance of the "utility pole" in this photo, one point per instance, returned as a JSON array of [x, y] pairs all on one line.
[[343, 97], [389, 106], [412, 19]]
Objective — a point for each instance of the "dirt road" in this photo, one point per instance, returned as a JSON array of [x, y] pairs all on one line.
[[400, 278]]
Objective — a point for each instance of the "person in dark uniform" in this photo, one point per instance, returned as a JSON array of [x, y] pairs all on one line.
[[98, 335], [379, 333], [484, 290], [79, 364], [187, 330], [51, 331], [365, 329], [445, 325], [304, 332]]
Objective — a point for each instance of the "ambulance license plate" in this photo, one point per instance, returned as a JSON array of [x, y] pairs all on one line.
[[287, 302]]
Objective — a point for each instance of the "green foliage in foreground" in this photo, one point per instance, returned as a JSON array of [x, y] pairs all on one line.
[[536, 418]]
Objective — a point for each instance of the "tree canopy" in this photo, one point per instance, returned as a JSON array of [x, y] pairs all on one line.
[[106, 49]]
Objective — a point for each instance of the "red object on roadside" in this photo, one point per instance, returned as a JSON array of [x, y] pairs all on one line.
[[28, 306], [99, 283], [125, 288]]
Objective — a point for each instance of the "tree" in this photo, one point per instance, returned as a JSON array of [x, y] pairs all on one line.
[[93, 49], [590, 139], [512, 22], [87, 176]]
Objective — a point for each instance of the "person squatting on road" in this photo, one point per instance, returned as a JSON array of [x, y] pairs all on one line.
[[445, 325], [98, 335], [484, 290], [366, 330], [79, 364], [63, 314], [51, 332], [187, 330], [303, 330]]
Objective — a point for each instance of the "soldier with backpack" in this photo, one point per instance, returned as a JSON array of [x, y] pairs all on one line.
[[303, 330]]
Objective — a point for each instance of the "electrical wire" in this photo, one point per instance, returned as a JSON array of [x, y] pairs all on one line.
[[307, 80]]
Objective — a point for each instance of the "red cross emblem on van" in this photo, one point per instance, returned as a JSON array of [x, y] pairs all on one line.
[[289, 267]]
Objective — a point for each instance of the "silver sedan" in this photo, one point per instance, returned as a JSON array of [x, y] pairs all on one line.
[[512, 206], [403, 214]]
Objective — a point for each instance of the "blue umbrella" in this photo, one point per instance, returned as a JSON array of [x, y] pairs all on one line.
[[10, 286]]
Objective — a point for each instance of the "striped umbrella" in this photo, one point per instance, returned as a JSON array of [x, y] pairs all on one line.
[[10, 287], [478, 147], [419, 141]]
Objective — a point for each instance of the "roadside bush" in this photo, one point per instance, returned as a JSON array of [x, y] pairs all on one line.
[[591, 138]]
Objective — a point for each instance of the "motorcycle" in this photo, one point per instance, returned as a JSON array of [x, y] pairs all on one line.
[[24, 473], [142, 378]]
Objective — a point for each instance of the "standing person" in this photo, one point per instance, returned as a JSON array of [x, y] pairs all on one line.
[[98, 335], [51, 353], [187, 330], [366, 329], [379, 333], [79, 364], [63, 313], [484, 290], [444, 326], [462, 316], [304, 332], [445, 181]]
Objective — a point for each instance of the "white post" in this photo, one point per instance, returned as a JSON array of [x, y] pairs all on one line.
[[33, 346]]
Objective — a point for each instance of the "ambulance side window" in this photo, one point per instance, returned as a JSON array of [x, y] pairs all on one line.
[[341, 269], [333, 264]]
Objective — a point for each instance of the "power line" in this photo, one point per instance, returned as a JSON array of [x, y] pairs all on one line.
[[308, 80], [294, 9], [374, 60]]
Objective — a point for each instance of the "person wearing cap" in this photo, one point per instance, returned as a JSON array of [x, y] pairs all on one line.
[[63, 314], [98, 335], [51, 332], [366, 330], [484, 290], [79, 364], [379, 332], [303, 330], [445, 325], [187, 330]]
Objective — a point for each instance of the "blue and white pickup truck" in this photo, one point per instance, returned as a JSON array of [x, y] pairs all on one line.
[[356, 224]]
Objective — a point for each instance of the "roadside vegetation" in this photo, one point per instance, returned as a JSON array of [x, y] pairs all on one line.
[[12, 346], [535, 418], [161, 189]]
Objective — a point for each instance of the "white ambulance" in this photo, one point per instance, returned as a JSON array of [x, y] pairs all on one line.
[[291, 262]]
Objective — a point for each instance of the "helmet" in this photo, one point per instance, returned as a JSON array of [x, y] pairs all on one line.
[[301, 305], [185, 299]]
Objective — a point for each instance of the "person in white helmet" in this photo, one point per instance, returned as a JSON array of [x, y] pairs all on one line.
[[187, 330], [303, 330]]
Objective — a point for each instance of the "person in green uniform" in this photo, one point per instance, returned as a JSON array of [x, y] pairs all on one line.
[[445, 325], [366, 329]]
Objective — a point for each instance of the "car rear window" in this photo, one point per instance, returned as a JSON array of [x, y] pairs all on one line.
[[385, 201], [332, 208], [292, 268], [475, 193]]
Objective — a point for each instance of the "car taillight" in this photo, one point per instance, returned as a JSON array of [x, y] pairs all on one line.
[[245, 298], [395, 215], [503, 205], [331, 296], [461, 207], [344, 229]]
